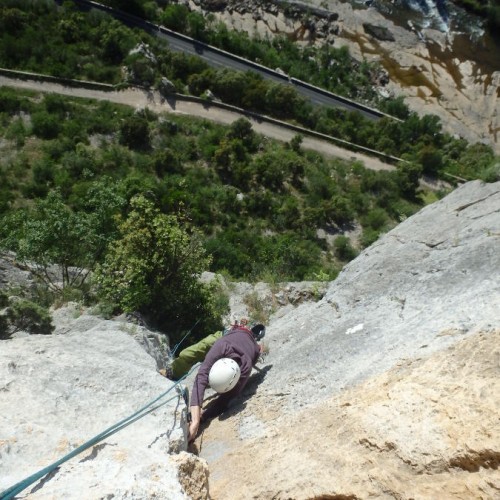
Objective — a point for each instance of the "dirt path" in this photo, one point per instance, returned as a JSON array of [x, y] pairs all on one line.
[[141, 99]]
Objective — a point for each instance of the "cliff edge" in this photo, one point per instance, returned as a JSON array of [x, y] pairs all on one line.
[[386, 387]]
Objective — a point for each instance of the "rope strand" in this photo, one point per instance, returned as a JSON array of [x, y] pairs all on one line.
[[11, 492], [174, 350]]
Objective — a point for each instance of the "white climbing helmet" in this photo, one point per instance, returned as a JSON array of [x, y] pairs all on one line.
[[224, 375]]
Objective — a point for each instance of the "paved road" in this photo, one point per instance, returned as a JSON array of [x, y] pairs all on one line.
[[218, 58], [141, 99]]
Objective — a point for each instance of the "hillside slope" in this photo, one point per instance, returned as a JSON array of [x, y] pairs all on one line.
[[142, 99], [449, 74]]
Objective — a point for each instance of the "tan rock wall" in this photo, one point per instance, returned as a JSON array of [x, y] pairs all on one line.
[[436, 72], [428, 428]]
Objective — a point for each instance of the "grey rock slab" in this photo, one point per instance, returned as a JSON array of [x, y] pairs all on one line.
[[59, 391], [430, 281]]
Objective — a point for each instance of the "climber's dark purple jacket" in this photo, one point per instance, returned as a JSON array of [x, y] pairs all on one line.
[[239, 345]]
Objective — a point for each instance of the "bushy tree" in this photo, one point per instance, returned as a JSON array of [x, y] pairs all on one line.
[[45, 125], [408, 176], [343, 248], [21, 314], [52, 234], [375, 219], [116, 41], [174, 17], [282, 100], [154, 268], [431, 160], [395, 107], [134, 132], [196, 26], [28, 316], [242, 129]]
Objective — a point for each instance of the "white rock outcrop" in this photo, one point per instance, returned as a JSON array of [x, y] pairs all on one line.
[[60, 390], [431, 280]]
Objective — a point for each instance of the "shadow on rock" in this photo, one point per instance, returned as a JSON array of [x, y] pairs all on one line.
[[239, 403]]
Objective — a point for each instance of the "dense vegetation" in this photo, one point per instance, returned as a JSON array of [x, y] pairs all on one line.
[[92, 45], [327, 67], [251, 197], [93, 186], [72, 169], [25, 315]]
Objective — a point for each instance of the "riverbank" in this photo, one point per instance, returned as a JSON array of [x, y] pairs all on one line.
[[441, 73]]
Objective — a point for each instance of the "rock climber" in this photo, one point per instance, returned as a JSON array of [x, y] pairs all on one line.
[[226, 368], [188, 357]]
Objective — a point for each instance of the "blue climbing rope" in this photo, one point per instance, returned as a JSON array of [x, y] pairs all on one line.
[[174, 350], [11, 492]]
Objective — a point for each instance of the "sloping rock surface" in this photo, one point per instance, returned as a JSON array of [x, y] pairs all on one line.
[[421, 306], [426, 429], [434, 278], [386, 387], [61, 390]]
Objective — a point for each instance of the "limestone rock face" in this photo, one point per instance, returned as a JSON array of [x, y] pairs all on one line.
[[427, 428], [61, 390], [432, 279], [388, 386], [384, 384]]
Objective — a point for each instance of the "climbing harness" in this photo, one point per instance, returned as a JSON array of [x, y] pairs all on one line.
[[11, 492]]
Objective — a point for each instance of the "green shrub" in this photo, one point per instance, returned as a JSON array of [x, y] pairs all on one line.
[[408, 176], [134, 133], [10, 103], [343, 248], [174, 17], [375, 219], [154, 268], [51, 233], [28, 316], [105, 309], [17, 132], [4, 300], [491, 173], [5, 332], [45, 125], [369, 236], [431, 160]]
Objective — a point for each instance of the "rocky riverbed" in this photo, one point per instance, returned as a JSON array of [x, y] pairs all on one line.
[[446, 73]]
